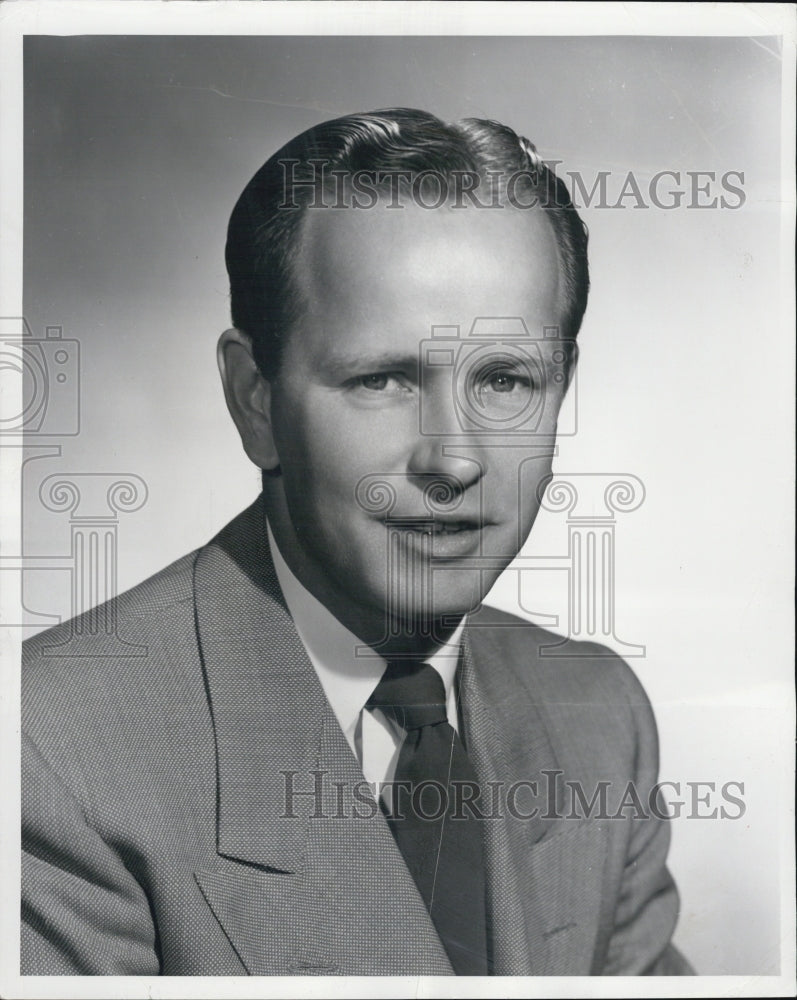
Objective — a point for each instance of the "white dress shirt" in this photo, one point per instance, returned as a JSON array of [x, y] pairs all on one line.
[[349, 680]]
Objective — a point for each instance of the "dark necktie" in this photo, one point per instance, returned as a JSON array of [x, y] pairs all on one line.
[[439, 837]]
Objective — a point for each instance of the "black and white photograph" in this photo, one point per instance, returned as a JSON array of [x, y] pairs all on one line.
[[396, 581]]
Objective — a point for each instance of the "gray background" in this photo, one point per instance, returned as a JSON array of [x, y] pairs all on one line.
[[135, 151]]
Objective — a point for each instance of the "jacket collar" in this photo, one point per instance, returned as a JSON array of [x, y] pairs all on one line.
[[257, 675]]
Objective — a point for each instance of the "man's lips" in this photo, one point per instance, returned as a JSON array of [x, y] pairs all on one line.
[[435, 526]]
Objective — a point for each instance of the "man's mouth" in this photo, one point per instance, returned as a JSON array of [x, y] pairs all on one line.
[[434, 528], [449, 527], [440, 539]]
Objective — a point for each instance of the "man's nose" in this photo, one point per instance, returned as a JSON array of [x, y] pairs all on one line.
[[453, 456]]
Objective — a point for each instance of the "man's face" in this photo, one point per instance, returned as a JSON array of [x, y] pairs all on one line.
[[409, 469]]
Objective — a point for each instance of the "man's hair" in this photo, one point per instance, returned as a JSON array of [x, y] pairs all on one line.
[[265, 231]]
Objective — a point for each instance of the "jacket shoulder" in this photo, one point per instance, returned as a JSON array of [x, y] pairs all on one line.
[[159, 596], [579, 687], [537, 655], [118, 668]]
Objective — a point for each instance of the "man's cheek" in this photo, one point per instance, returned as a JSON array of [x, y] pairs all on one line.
[[530, 483]]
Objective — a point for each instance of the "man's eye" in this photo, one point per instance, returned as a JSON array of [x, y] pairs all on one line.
[[502, 382], [380, 382], [505, 382]]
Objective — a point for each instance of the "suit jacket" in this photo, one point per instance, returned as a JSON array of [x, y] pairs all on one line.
[[188, 802]]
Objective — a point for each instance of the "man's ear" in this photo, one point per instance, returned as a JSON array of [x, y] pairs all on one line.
[[248, 397]]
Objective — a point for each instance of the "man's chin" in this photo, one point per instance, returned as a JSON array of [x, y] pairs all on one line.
[[453, 594], [431, 604]]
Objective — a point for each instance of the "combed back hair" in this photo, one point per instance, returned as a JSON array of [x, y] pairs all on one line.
[[386, 147]]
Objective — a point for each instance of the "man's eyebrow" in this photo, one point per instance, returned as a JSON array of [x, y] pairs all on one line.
[[343, 364]]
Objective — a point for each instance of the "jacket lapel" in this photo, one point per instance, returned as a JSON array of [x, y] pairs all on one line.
[[543, 874], [308, 878]]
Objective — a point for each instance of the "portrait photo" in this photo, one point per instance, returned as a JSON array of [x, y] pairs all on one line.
[[398, 462]]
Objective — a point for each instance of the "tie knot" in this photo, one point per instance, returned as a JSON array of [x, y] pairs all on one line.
[[413, 693]]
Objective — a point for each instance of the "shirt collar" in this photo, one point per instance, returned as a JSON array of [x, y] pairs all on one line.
[[348, 680]]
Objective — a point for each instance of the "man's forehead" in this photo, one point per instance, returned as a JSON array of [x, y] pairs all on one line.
[[452, 258]]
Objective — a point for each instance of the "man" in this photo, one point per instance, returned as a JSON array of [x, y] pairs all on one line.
[[330, 760]]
